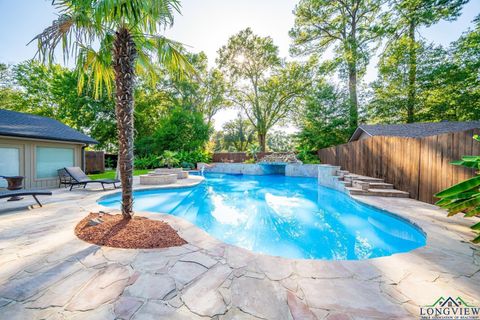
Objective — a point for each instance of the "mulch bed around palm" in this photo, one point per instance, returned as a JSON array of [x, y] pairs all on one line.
[[136, 233]]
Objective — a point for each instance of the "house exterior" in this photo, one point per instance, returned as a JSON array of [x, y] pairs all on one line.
[[36, 147], [412, 130]]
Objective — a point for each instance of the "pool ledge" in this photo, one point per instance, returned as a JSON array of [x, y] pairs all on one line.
[[189, 182]]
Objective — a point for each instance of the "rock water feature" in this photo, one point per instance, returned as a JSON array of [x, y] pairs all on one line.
[[276, 163]]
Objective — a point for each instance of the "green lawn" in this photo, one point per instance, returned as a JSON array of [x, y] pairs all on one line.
[[110, 174]]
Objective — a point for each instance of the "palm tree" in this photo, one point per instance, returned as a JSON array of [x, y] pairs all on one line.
[[112, 41]]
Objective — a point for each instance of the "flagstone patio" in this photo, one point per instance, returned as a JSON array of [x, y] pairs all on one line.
[[47, 273]]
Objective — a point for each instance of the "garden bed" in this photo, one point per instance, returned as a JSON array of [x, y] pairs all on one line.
[[136, 233]]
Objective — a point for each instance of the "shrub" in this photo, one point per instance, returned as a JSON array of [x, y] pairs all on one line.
[[181, 130], [194, 156], [169, 159], [308, 156], [147, 162], [187, 165]]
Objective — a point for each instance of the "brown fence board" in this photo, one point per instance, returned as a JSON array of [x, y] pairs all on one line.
[[94, 161], [420, 166]]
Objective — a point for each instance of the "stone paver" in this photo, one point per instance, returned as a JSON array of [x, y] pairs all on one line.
[[125, 307], [105, 287], [186, 272], [260, 298], [47, 273], [203, 297], [152, 286]]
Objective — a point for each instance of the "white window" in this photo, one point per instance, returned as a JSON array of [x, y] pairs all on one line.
[[9, 163], [49, 160]]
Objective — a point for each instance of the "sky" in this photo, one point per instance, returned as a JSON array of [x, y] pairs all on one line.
[[204, 25]]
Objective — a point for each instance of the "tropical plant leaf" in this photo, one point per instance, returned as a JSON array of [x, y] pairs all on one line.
[[476, 240], [460, 187], [472, 213], [476, 226], [473, 202]]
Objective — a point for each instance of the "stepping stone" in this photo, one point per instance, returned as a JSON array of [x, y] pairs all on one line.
[[152, 286], [125, 307], [60, 294], [154, 310], [202, 297], [275, 268], [186, 272], [26, 287], [261, 298], [298, 308], [361, 298], [150, 261], [200, 258], [107, 285]]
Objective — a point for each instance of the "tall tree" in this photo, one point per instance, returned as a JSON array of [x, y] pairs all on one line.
[[406, 17], [238, 134], [349, 26], [323, 118], [126, 35], [261, 84], [204, 93]]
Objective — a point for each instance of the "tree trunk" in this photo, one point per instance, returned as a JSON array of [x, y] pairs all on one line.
[[352, 89], [352, 46], [262, 141], [125, 54], [412, 74]]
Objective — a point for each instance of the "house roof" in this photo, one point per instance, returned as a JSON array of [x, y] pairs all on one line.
[[414, 130], [17, 124]]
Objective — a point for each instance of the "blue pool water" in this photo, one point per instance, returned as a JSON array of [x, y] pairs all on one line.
[[283, 216]]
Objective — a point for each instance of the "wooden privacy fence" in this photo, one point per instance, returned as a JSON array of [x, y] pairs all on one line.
[[420, 166], [94, 161]]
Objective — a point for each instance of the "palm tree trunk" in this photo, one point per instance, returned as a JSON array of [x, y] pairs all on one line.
[[125, 54]]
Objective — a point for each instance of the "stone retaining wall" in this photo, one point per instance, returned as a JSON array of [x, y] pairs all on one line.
[[292, 170], [302, 170], [327, 177]]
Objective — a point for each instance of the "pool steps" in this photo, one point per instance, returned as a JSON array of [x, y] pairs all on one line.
[[367, 186]]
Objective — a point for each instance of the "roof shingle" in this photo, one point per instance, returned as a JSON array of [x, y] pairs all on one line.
[[414, 130], [17, 124]]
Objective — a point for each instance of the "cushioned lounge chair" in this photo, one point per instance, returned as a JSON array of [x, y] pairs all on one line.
[[79, 178], [22, 192]]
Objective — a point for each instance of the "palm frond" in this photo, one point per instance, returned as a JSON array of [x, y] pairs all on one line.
[[169, 55], [95, 67], [69, 30]]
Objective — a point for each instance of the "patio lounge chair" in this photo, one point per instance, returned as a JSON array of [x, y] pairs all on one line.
[[78, 178], [22, 192]]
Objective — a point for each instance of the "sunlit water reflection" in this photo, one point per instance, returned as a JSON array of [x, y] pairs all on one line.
[[283, 216]]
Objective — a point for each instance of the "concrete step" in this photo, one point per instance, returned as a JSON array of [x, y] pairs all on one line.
[[342, 173], [378, 192], [389, 193], [353, 177], [381, 185]]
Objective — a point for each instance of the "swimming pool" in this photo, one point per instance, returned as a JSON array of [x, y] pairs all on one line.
[[282, 216]]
